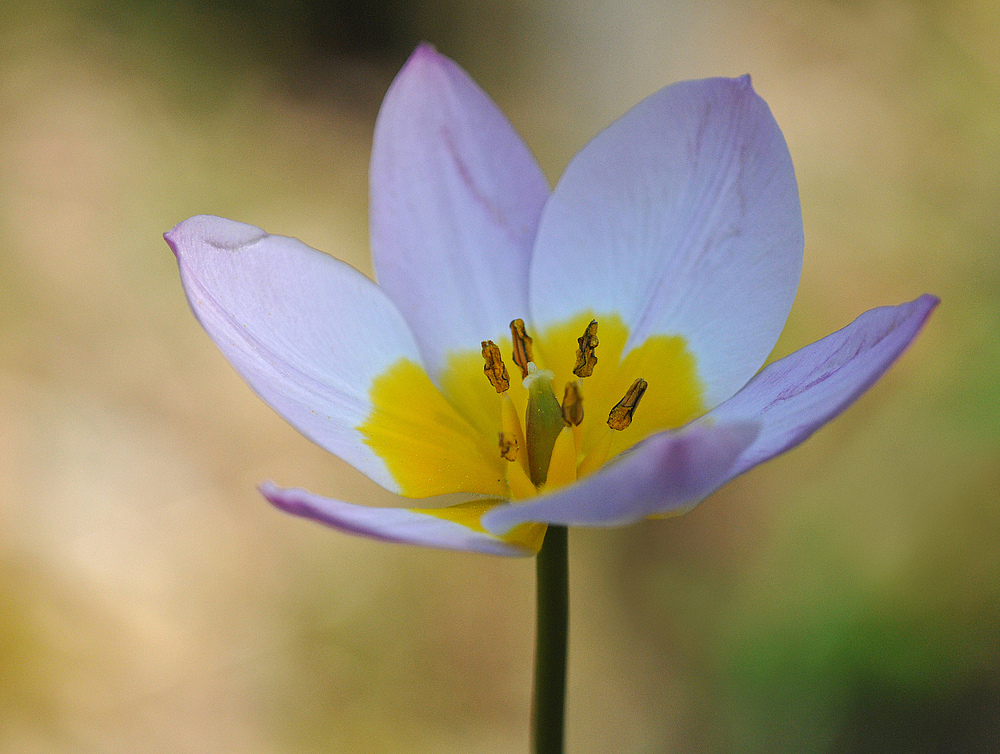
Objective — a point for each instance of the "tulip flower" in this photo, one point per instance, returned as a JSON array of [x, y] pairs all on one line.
[[586, 356], [669, 252]]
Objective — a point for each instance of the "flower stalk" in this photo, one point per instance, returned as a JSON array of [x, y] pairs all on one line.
[[549, 691]]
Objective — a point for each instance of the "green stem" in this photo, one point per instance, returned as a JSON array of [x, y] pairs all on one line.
[[549, 704]]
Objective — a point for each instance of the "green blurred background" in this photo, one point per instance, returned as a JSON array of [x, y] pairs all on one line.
[[841, 598]]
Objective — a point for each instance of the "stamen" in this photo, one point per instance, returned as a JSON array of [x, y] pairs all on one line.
[[510, 424], [621, 415], [597, 455], [562, 467], [508, 446], [522, 346], [495, 369], [572, 405], [585, 358], [520, 485]]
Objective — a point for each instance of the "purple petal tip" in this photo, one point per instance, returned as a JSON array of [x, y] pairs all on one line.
[[926, 303], [289, 502], [425, 54], [169, 238], [931, 302]]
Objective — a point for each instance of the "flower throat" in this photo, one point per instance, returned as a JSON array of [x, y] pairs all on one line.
[[541, 430], [551, 435]]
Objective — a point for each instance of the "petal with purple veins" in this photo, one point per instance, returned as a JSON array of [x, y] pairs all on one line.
[[455, 202], [683, 218], [796, 395]]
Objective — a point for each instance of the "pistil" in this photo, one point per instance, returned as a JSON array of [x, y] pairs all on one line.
[[543, 423]]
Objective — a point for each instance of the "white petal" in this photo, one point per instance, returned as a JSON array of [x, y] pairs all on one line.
[[683, 217], [306, 331], [455, 202]]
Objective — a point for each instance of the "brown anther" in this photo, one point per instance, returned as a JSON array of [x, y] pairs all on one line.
[[585, 358], [621, 415], [522, 346], [572, 405], [508, 446], [495, 369]]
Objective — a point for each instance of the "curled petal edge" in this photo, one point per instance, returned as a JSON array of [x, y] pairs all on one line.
[[796, 395], [452, 528], [307, 332]]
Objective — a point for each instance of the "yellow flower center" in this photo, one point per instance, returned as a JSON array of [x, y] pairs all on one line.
[[516, 438]]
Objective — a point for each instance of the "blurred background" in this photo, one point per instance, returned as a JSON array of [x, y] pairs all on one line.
[[845, 597]]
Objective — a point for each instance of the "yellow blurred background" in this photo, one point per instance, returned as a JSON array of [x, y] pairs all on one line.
[[845, 597]]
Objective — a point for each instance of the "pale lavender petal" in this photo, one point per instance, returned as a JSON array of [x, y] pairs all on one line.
[[795, 396], [455, 202], [683, 218], [668, 471], [389, 524], [306, 331]]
